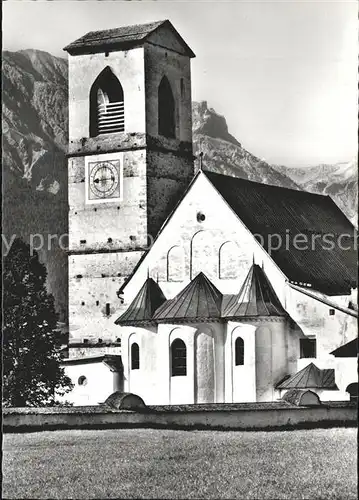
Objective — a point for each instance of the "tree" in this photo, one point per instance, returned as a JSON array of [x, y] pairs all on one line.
[[32, 374]]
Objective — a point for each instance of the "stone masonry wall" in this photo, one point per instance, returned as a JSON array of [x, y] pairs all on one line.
[[106, 240], [91, 225], [93, 282], [161, 62]]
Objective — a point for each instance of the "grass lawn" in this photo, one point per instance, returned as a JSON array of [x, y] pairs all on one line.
[[145, 463]]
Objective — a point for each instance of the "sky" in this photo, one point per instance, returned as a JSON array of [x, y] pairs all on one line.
[[283, 73]]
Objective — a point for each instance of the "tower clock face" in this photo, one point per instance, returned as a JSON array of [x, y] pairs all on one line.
[[104, 180]]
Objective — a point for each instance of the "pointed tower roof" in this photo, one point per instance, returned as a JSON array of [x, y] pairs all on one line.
[[141, 309], [199, 300], [310, 377], [255, 298]]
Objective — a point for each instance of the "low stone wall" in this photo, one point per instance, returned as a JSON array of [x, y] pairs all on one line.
[[265, 416]]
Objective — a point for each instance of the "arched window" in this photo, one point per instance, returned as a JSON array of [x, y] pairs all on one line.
[[228, 260], [135, 357], [239, 351], [178, 358], [204, 254], [175, 264], [353, 391], [166, 109], [107, 113]]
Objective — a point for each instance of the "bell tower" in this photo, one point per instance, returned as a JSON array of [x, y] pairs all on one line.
[[129, 161]]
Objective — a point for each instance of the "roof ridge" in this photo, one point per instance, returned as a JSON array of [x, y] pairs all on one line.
[[200, 298], [215, 295], [156, 24], [127, 36], [271, 291], [206, 172], [211, 286], [192, 288], [310, 377], [255, 266], [253, 300], [143, 306]]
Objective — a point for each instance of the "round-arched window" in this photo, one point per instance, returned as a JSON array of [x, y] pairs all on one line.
[[239, 351], [135, 356], [107, 113], [166, 109], [178, 358]]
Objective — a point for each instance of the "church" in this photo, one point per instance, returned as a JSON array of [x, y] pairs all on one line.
[[187, 286]]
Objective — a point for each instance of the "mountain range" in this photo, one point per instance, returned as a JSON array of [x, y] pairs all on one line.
[[35, 132]]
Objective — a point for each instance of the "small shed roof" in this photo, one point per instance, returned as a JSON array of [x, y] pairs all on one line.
[[141, 309], [310, 377], [113, 361], [314, 294], [255, 298], [199, 300], [348, 350]]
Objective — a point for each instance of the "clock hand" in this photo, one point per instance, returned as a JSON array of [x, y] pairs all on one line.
[[104, 179]]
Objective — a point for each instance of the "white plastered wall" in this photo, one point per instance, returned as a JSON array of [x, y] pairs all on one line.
[[240, 384], [100, 383]]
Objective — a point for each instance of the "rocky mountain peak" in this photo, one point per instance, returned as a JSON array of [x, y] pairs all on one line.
[[206, 121]]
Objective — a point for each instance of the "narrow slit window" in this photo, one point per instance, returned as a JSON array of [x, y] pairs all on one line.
[[166, 109], [178, 358], [135, 356], [239, 352]]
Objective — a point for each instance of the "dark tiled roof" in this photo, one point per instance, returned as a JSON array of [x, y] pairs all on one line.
[[310, 377], [255, 298], [348, 350], [271, 210], [199, 300], [141, 309], [123, 37]]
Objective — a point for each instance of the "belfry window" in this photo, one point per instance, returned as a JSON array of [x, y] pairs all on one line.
[[178, 358], [107, 112], [135, 357], [239, 351], [166, 109]]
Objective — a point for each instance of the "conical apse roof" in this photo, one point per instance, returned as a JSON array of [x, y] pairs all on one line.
[[255, 298], [310, 377], [141, 309], [199, 300]]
